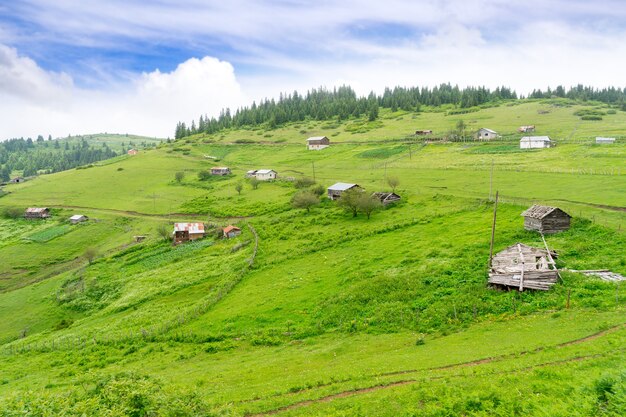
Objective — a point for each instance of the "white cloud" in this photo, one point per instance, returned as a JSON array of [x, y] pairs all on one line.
[[41, 102]]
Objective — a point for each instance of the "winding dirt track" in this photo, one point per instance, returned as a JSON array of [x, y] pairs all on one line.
[[476, 362]]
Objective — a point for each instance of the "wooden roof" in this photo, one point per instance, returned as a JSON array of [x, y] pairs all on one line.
[[540, 212]]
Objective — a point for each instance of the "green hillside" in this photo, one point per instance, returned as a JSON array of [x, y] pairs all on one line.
[[319, 312]]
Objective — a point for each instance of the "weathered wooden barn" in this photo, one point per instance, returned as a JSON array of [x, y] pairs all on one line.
[[37, 213], [316, 143], [231, 231], [184, 232], [536, 142], [77, 218], [522, 266], [387, 198], [486, 134], [546, 219], [335, 190], [220, 171]]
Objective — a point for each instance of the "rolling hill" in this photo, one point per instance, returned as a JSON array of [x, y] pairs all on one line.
[[318, 312]]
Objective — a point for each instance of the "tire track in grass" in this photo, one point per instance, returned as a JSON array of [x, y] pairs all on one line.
[[476, 362]]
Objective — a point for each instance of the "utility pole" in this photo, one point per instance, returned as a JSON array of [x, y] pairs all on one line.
[[493, 229]]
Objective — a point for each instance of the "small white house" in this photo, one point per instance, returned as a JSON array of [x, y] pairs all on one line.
[[316, 143], [77, 218], [533, 142], [486, 134], [265, 174], [605, 141]]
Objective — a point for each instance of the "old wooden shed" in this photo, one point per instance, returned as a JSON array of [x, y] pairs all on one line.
[[317, 143], [335, 190], [546, 219], [387, 198], [77, 218], [522, 266], [231, 231], [37, 213], [220, 171], [184, 232]]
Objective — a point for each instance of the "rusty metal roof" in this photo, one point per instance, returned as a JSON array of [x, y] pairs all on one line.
[[189, 227], [230, 228]]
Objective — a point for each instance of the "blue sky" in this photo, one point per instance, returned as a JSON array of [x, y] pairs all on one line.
[[70, 66]]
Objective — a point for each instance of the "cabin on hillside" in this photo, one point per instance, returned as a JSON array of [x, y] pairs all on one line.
[[78, 218], [220, 171], [231, 231], [317, 143], [526, 129], [387, 198], [536, 142], [335, 190], [423, 132], [132, 152], [262, 174], [185, 232], [37, 213], [604, 141], [521, 266], [546, 219], [486, 134]]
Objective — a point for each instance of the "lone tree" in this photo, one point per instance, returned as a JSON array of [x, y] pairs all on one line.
[[254, 183], [349, 201], [393, 182], [461, 126], [305, 200], [179, 176], [163, 231], [90, 254], [238, 188], [367, 204]]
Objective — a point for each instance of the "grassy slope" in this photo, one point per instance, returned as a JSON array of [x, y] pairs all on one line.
[[332, 303]]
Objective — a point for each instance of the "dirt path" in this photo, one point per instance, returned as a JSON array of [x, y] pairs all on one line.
[[164, 216], [476, 362]]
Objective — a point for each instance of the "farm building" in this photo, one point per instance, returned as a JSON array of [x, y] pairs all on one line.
[[17, 180], [546, 219], [316, 143], [184, 232], [533, 142], [526, 129], [522, 266], [423, 132], [220, 171], [132, 152], [605, 141], [262, 174], [37, 213], [335, 190], [387, 198], [231, 231], [77, 218], [486, 134]]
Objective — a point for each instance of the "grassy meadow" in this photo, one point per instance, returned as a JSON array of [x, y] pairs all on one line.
[[318, 312]]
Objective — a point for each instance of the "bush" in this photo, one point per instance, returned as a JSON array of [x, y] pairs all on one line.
[[304, 182], [12, 212], [591, 117], [204, 175]]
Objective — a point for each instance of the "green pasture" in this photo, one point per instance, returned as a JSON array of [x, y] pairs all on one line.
[[320, 313]]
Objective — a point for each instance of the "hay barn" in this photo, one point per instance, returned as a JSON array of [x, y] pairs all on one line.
[[546, 219], [37, 213]]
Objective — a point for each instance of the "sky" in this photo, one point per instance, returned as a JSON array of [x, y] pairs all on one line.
[[138, 67]]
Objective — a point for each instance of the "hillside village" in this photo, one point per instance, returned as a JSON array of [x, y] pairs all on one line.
[[378, 251]]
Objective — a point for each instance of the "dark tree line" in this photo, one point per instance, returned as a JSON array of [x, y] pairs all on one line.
[[342, 103], [33, 157]]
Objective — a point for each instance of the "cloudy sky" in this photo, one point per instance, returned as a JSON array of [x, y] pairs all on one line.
[[130, 66]]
